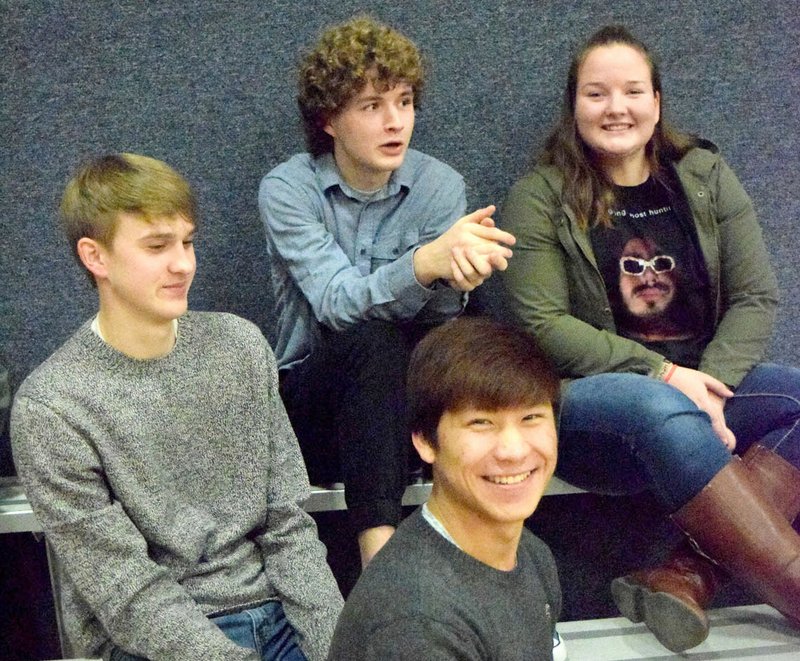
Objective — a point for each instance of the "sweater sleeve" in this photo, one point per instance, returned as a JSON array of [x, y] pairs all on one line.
[[748, 288], [551, 291], [139, 603], [294, 557]]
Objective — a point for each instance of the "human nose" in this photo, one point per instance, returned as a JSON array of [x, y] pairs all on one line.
[[393, 120], [183, 259], [511, 444], [649, 273], [615, 103]]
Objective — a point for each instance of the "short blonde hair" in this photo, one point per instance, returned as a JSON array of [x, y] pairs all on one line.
[[106, 186]]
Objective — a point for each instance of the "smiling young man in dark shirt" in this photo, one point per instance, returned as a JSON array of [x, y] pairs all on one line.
[[462, 578]]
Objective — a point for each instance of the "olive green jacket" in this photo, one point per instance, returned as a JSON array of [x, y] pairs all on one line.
[[556, 290]]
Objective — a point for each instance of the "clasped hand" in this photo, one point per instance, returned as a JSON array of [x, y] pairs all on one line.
[[467, 253]]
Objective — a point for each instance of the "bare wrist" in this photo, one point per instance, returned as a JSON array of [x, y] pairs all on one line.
[[419, 264]]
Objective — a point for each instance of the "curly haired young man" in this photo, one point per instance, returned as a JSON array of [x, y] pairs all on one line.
[[370, 248]]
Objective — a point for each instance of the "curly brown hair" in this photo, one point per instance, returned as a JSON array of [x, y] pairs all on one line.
[[344, 60]]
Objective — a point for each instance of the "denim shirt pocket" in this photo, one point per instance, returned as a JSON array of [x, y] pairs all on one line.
[[392, 246]]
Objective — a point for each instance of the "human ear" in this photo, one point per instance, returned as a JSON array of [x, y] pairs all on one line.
[[93, 256], [424, 448]]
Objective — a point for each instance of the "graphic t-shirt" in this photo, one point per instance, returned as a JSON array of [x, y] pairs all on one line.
[[654, 274]]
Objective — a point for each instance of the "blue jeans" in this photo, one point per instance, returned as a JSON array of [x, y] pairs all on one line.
[[627, 433], [264, 629]]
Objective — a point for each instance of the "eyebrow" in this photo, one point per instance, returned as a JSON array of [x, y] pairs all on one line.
[[157, 236], [407, 91], [603, 84]]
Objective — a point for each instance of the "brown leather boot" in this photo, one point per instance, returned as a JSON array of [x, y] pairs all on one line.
[[776, 478], [671, 599], [737, 526]]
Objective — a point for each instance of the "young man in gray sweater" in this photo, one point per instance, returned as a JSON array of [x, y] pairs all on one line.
[[157, 455], [462, 578]]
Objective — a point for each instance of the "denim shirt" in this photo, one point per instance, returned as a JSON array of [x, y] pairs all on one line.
[[340, 257]]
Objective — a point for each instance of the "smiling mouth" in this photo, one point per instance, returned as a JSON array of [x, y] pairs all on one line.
[[177, 286], [617, 127], [508, 479]]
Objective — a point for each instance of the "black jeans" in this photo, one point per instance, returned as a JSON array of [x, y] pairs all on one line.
[[347, 405]]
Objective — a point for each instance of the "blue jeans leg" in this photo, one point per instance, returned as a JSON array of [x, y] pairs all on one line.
[[766, 409], [626, 433], [264, 629]]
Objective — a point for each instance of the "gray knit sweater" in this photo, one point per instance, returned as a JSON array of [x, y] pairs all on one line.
[[170, 490]]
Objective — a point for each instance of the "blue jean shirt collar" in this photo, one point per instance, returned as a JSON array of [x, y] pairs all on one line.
[[329, 175]]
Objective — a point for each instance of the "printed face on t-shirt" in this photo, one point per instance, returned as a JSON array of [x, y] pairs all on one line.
[[653, 272], [647, 281]]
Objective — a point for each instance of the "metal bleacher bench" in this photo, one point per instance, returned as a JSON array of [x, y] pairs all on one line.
[[741, 633], [16, 514], [738, 634]]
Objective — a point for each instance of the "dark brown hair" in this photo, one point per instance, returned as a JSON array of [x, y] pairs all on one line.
[[475, 362]]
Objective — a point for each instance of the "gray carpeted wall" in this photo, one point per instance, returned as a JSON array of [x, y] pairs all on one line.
[[208, 86]]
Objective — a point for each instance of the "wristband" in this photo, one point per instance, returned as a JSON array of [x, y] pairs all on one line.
[[672, 368], [661, 374]]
